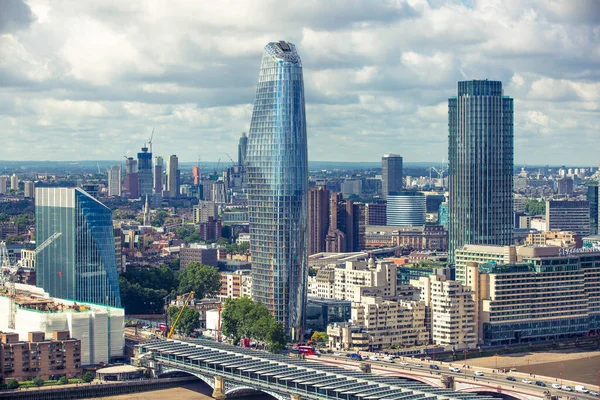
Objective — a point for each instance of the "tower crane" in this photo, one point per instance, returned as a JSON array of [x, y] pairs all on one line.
[[150, 141]]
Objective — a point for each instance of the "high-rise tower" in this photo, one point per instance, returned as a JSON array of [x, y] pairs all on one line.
[[173, 176], [242, 150], [278, 187], [391, 174], [80, 263], [114, 181], [480, 136], [158, 175], [318, 219], [145, 173]]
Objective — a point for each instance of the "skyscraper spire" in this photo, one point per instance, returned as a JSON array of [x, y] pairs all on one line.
[[147, 213]]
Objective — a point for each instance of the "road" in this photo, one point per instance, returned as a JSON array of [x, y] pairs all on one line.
[[466, 375]]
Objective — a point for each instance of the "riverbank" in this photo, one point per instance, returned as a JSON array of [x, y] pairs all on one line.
[[188, 391]]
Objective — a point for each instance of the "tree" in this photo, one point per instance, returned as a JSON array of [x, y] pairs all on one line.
[[204, 280], [312, 271], [12, 383], [319, 337], [188, 322], [38, 381], [63, 380], [534, 207], [88, 377]]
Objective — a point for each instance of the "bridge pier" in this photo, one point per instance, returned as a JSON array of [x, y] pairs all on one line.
[[447, 382], [219, 390]]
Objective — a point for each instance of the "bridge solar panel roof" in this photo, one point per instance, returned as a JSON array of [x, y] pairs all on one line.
[[362, 388], [290, 376]]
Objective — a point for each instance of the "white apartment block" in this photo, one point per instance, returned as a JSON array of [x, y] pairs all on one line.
[[481, 254], [451, 311], [355, 275]]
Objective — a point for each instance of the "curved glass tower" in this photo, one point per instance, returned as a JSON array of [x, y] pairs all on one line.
[[480, 154], [278, 187]]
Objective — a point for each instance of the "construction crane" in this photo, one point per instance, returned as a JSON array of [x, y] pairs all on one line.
[[230, 159], [150, 141], [185, 303]]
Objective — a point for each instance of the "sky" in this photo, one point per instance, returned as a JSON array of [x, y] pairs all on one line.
[[89, 80]]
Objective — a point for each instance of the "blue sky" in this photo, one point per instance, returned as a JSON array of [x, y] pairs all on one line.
[[90, 79]]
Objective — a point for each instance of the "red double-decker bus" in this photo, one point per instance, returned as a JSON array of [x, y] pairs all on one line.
[[307, 350]]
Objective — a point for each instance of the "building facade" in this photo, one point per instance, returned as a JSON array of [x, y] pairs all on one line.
[[242, 150], [80, 263], [28, 189], [199, 253], [173, 177], [480, 154], [318, 219], [277, 164], [568, 215], [146, 184], [593, 196], [114, 181], [204, 210], [391, 174], [375, 214], [405, 208]]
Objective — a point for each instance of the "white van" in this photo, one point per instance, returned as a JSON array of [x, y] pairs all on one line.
[[581, 389]]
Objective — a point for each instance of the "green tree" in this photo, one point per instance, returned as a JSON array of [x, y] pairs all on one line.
[[188, 322], [88, 377], [312, 271], [38, 381], [319, 337], [12, 383], [534, 207], [63, 380], [204, 280]]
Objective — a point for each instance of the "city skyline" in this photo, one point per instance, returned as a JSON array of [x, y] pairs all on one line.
[[377, 77]]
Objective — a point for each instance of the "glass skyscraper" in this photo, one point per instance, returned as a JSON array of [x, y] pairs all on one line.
[[480, 154], [146, 183], [278, 187], [81, 263]]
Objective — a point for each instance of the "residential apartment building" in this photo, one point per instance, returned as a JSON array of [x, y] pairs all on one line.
[[566, 215], [204, 210], [236, 284], [451, 311], [200, 253], [323, 284], [357, 275], [47, 358]]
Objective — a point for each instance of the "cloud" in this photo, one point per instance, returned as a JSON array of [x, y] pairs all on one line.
[[97, 75]]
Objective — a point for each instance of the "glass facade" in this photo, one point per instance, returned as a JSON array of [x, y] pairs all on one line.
[[146, 181], [278, 187], [480, 153], [81, 263], [592, 198], [406, 209]]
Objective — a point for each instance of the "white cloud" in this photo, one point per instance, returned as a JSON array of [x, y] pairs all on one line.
[[97, 75]]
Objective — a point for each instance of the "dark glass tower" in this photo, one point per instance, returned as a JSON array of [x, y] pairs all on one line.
[[391, 174], [593, 198], [80, 264], [145, 173], [242, 150], [480, 153], [278, 187]]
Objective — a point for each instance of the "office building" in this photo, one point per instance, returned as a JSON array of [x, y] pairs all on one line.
[[210, 231], [482, 254], [242, 150], [204, 210], [198, 253], [565, 186], [592, 198], [318, 219], [278, 187], [451, 311], [49, 358], [173, 177], [28, 189], [79, 263], [405, 209], [351, 187], [145, 180], [101, 329], [14, 182], [351, 280], [322, 312], [3, 184], [480, 153], [554, 238], [131, 182], [158, 175], [443, 215], [391, 174], [543, 296], [568, 215], [375, 214], [114, 181]]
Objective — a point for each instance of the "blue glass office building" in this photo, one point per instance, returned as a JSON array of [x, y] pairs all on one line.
[[480, 154], [80, 264], [278, 187], [145, 178]]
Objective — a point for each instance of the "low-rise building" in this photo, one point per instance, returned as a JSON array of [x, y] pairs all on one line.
[[49, 358], [364, 274], [554, 238], [200, 253], [236, 284]]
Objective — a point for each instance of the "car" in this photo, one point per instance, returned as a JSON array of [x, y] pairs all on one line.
[[374, 358], [479, 373], [511, 378], [527, 381], [556, 386], [593, 393], [454, 369], [567, 388], [418, 365], [364, 357], [337, 354], [388, 359], [433, 366], [403, 363], [540, 383]]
